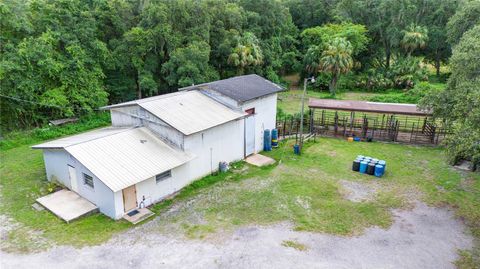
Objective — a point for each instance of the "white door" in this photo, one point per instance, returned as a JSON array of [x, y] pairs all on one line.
[[249, 135], [73, 178]]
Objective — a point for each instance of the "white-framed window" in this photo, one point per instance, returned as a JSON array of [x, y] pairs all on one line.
[[161, 177], [88, 180]]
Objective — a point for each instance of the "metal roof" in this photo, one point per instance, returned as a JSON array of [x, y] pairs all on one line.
[[191, 112], [241, 88], [143, 100], [363, 106], [127, 157], [188, 111], [80, 138]]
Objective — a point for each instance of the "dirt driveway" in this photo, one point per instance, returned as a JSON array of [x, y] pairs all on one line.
[[424, 237]]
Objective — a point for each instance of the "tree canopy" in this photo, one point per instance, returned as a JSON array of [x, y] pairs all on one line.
[[62, 58]]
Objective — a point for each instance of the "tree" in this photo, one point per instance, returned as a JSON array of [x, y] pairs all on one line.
[[414, 37], [246, 53], [57, 71], [189, 65], [459, 103], [336, 59], [356, 34], [310, 13], [384, 20], [435, 18], [466, 17], [136, 52]]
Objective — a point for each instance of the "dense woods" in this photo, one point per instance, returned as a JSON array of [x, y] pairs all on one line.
[[63, 58]]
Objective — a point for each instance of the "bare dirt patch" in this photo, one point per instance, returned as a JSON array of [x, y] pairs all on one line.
[[358, 191], [424, 237]]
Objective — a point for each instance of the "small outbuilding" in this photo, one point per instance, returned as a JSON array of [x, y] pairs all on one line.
[[158, 145]]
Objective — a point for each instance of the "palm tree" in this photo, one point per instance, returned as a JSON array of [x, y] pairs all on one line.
[[414, 37], [246, 53], [336, 59]]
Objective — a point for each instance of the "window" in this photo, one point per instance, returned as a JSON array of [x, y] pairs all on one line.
[[88, 180], [161, 177]]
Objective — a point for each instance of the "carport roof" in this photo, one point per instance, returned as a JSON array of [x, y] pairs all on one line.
[[363, 106], [124, 158]]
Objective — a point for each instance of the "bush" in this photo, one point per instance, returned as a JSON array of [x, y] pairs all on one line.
[[412, 96], [18, 138], [403, 74]]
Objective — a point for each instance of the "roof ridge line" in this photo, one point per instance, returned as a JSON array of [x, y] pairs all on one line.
[[119, 132]]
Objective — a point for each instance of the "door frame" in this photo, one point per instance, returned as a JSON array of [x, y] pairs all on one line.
[[135, 195], [73, 181], [251, 114]]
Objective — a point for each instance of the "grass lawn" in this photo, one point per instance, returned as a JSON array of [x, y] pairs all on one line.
[[290, 101], [22, 181], [305, 191]]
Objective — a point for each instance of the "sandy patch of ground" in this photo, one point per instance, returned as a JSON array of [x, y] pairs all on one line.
[[357, 191], [424, 237]]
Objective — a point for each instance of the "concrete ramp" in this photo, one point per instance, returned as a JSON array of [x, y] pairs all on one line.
[[67, 205], [259, 160]]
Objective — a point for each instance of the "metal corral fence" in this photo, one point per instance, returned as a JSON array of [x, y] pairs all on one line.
[[374, 126]]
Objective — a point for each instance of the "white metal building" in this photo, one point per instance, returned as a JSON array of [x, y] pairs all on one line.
[[158, 145]]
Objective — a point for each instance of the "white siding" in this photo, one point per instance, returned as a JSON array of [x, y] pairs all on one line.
[[227, 101], [56, 166], [163, 130], [56, 161], [154, 192], [265, 116], [222, 143], [125, 116]]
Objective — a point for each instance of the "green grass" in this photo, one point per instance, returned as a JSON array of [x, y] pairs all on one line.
[[294, 245], [305, 190], [302, 190], [22, 182], [19, 138], [290, 101]]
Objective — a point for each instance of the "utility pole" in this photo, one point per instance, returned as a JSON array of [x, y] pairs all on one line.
[[312, 79]]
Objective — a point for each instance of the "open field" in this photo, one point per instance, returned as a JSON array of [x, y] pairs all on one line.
[[315, 192]]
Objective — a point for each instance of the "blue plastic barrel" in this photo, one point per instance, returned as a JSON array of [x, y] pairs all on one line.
[[360, 156], [296, 149], [374, 160], [384, 164], [356, 139], [363, 167], [379, 170], [274, 138], [267, 140]]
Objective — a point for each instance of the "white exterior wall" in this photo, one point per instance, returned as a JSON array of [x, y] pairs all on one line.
[[122, 116], [162, 129], [221, 143], [130, 116], [226, 144], [225, 100], [265, 116], [56, 166]]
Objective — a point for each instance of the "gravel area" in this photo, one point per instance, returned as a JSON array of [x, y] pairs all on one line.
[[424, 237]]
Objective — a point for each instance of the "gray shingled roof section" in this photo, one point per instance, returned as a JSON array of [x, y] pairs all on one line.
[[242, 88]]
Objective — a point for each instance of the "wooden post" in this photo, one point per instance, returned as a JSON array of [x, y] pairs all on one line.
[[335, 127], [312, 113]]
